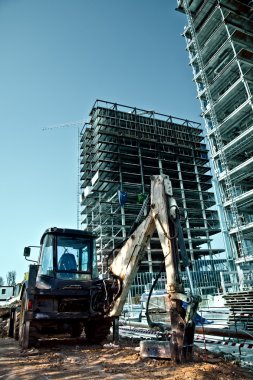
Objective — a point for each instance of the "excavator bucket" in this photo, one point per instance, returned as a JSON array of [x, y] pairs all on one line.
[[179, 340]]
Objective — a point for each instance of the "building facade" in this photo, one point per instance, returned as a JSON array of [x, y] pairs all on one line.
[[219, 40], [6, 292], [121, 147]]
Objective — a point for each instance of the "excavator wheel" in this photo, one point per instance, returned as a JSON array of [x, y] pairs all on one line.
[[27, 336], [97, 331]]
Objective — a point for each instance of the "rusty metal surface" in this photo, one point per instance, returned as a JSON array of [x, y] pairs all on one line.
[[155, 349]]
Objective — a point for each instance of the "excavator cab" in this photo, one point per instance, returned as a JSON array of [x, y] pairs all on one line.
[[63, 293], [68, 255]]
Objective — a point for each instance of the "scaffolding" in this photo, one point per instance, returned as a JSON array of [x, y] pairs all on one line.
[[219, 39], [121, 148]]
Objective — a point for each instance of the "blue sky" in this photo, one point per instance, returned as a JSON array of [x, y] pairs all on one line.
[[57, 58]]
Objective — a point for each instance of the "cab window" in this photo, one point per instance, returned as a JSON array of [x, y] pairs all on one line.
[[46, 267], [74, 258]]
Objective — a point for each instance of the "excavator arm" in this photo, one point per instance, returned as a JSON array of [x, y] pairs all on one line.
[[163, 217]]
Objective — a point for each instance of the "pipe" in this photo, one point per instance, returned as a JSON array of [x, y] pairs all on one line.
[[240, 334]]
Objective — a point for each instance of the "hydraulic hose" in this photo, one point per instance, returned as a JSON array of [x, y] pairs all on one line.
[[152, 324]]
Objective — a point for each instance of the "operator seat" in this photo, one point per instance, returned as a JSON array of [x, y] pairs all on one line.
[[67, 262]]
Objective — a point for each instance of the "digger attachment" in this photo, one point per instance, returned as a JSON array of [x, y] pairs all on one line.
[[164, 218]]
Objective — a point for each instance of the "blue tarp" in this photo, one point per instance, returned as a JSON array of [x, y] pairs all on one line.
[[199, 321], [122, 195]]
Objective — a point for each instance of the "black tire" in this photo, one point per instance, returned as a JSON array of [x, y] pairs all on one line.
[[16, 324], [27, 333], [76, 329], [97, 331]]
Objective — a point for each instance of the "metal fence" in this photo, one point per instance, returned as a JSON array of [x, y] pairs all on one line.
[[205, 282]]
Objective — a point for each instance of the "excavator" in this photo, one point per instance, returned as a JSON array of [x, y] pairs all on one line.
[[63, 291]]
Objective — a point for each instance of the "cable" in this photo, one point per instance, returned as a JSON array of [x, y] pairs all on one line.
[[152, 324]]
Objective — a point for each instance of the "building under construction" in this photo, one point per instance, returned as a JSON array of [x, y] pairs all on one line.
[[219, 39], [121, 147]]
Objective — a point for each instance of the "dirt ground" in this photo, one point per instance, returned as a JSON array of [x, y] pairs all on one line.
[[56, 359]]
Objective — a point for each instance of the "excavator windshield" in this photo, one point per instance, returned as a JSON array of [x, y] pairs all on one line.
[[74, 258], [68, 257]]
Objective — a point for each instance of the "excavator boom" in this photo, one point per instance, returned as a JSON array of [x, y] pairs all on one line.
[[163, 217]]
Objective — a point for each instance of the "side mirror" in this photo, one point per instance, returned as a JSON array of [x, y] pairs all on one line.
[[27, 251]]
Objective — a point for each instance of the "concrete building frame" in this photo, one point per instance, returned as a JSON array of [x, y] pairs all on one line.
[[219, 40], [121, 147]]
